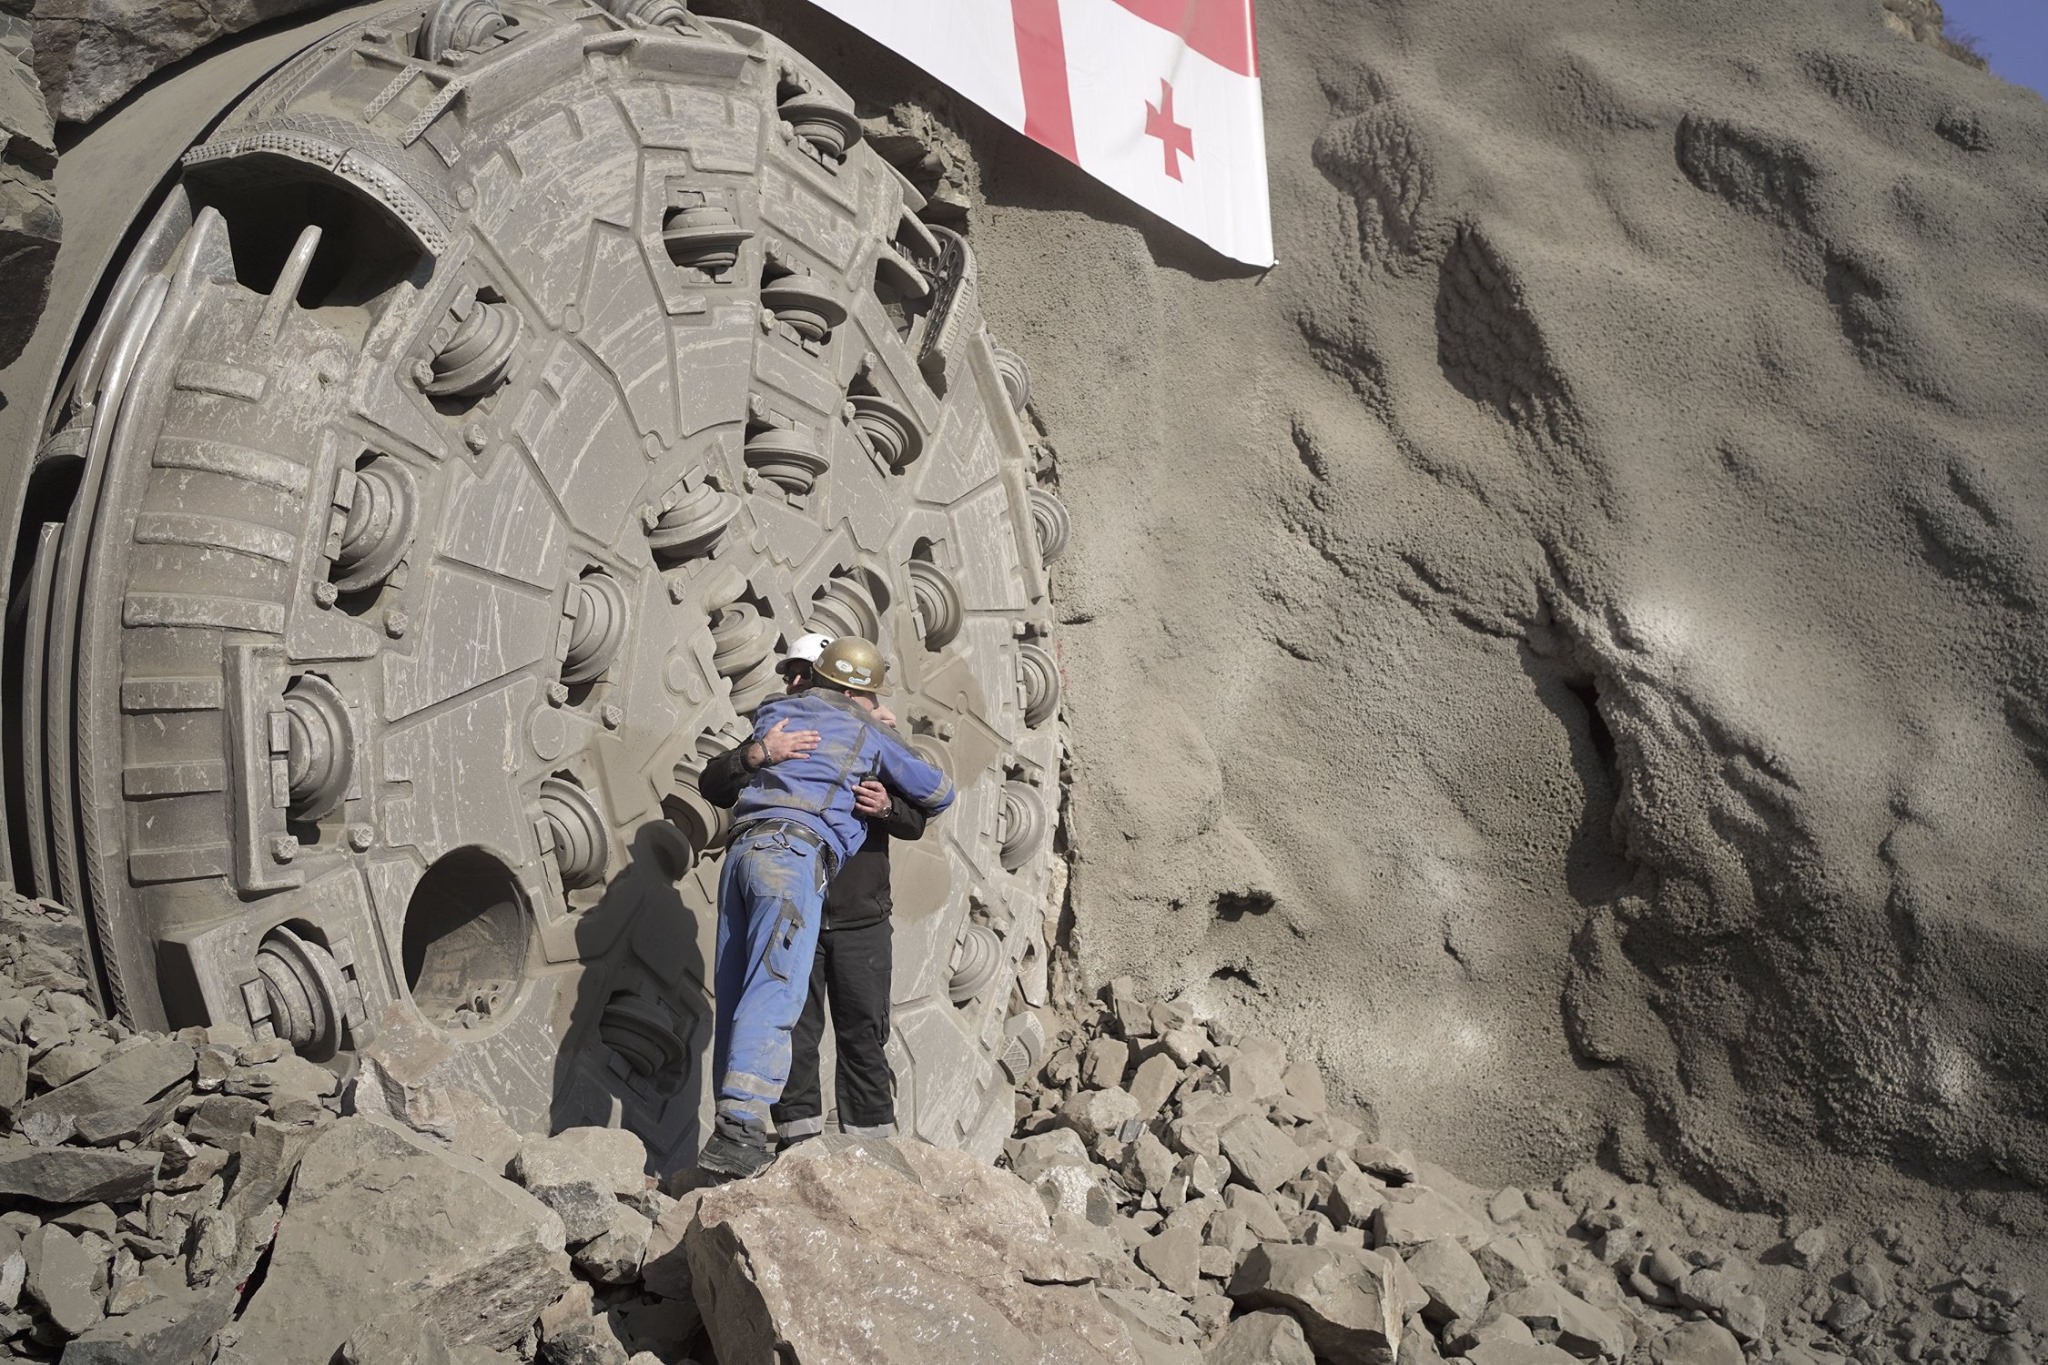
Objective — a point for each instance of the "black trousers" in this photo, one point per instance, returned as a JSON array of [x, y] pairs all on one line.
[[852, 974]]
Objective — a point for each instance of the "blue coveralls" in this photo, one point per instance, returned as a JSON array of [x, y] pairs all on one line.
[[792, 827]]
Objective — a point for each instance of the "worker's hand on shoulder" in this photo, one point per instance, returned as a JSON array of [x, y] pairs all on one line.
[[872, 799], [782, 743]]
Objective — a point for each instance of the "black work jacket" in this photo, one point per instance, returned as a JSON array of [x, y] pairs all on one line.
[[859, 895]]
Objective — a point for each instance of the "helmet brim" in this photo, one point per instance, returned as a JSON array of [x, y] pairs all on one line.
[[880, 690]]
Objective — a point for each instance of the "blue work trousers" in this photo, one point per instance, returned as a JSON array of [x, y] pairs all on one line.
[[771, 897]]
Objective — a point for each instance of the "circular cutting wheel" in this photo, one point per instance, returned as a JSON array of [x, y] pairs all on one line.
[[499, 390]]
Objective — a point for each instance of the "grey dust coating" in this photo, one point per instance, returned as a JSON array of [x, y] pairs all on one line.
[[495, 394]]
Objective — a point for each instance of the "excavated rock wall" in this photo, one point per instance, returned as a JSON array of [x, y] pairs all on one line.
[[1565, 648]]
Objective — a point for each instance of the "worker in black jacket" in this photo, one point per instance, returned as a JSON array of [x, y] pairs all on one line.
[[855, 960]]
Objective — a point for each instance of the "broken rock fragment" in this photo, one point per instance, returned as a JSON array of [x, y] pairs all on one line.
[[70, 1175], [581, 1173], [133, 1075], [1154, 1080], [402, 1338], [1185, 1045], [173, 1330], [1102, 1065], [1263, 1338], [1096, 1114], [1055, 1147], [1174, 1258], [60, 1279], [1345, 1300], [665, 1267], [1075, 1192], [1159, 1330], [613, 1257], [68, 1061], [589, 1340], [1451, 1279], [1149, 1163], [13, 1078], [1696, 1343], [1259, 1214], [1415, 1214], [1807, 1249], [1354, 1198], [220, 1119], [1518, 1353], [1576, 1325], [1508, 1264], [1263, 1156]]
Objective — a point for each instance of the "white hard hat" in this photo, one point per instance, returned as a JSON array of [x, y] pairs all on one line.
[[805, 650]]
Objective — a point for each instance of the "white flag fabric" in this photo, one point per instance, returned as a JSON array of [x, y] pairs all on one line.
[[1158, 99]]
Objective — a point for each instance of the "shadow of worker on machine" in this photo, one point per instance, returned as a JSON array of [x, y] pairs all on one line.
[[639, 1029]]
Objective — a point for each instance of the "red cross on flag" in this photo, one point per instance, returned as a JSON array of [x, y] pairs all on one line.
[[1158, 99]]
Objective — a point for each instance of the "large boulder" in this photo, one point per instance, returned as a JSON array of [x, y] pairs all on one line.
[[1451, 1278], [787, 1265], [1263, 1156], [1414, 1215], [1346, 1300], [69, 1175], [409, 1074], [1697, 1343], [60, 1279], [380, 1219], [177, 1329], [1577, 1326], [582, 1174], [136, 1073]]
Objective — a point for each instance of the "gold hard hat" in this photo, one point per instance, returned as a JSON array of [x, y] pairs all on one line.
[[852, 663]]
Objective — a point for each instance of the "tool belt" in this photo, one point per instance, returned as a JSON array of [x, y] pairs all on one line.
[[803, 834]]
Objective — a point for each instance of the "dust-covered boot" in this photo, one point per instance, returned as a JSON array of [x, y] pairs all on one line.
[[734, 1155]]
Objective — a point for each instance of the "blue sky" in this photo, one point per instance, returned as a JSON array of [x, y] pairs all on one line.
[[2013, 34]]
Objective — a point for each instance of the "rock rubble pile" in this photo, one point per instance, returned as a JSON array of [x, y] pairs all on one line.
[[171, 1199], [1176, 1195], [1227, 1208]]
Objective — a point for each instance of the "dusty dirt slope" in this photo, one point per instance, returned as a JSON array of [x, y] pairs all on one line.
[[1566, 645]]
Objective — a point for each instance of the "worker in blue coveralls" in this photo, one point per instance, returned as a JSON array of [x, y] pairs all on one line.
[[793, 826]]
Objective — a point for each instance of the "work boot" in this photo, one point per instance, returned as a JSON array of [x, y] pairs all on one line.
[[733, 1156]]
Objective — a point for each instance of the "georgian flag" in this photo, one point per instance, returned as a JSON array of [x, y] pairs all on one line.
[[1158, 99]]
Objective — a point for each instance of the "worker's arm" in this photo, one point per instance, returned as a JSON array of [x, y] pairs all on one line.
[[909, 777], [898, 819], [725, 776]]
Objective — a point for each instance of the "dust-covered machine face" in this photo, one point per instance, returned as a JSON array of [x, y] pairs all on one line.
[[497, 392]]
